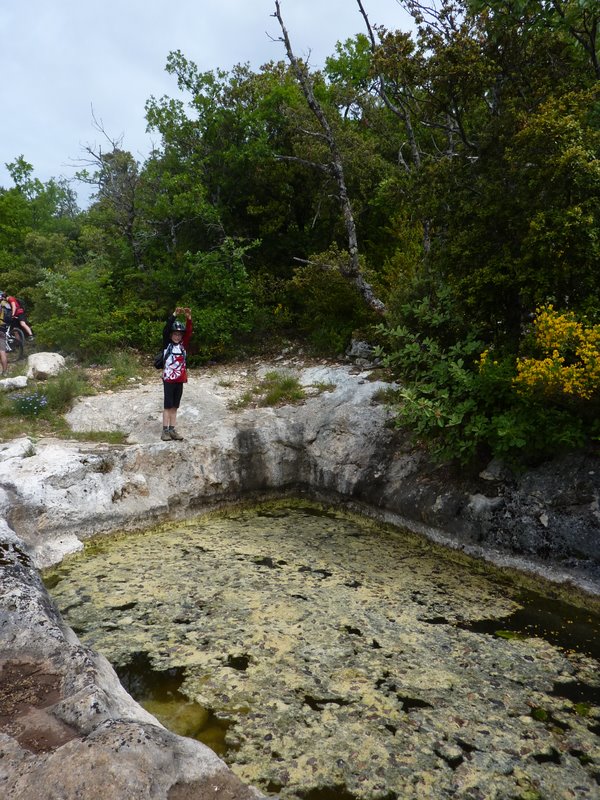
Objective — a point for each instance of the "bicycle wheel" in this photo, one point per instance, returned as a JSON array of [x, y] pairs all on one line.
[[14, 344]]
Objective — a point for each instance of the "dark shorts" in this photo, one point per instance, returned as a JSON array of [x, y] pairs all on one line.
[[173, 392]]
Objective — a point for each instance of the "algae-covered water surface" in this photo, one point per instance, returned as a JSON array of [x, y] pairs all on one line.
[[327, 656]]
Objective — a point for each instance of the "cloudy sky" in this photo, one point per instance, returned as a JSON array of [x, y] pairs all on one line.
[[60, 61]]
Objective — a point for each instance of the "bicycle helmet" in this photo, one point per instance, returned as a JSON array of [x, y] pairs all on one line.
[[177, 327], [2, 295]]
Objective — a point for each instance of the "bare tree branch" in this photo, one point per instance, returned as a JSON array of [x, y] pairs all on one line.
[[398, 110], [315, 134], [323, 167], [352, 271], [403, 113]]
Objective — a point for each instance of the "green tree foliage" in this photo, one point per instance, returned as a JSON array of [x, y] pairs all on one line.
[[324, 306], [74, 312], [510, 195], [39, 225], [224, 308], [238, 146]]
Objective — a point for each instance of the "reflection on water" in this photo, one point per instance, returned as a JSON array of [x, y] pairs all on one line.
[[158, 692], [341, 658], [557, 622]]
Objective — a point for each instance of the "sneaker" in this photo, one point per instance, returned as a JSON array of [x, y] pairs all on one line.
[[31, 338], [166, 436], [174, 435]]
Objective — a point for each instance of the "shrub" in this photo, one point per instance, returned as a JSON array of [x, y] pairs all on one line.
[[324, 306], [66, 387], [565, 364], [74, 311], [223, 307], [465, 401]]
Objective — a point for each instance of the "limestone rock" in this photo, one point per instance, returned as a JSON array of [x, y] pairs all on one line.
[[68, 726], [42, 366], [8, 384]]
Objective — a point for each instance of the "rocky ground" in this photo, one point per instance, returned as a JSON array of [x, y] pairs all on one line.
[[212, 394]]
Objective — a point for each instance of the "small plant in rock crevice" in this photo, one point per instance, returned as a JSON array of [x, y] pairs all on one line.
[[276, 388]]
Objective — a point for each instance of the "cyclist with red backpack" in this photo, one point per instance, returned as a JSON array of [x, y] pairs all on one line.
[[19, 315]]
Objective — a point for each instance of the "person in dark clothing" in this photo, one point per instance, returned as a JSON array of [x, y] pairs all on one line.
[[176, 338]]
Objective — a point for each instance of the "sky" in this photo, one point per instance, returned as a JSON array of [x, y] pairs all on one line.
[[65, 62]]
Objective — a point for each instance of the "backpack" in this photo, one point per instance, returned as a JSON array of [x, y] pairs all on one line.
[[7, 314], [159, 360]]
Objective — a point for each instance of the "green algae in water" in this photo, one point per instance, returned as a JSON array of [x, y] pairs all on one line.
[[340, 653]]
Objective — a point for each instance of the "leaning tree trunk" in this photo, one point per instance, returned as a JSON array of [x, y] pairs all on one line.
[[352, 272]]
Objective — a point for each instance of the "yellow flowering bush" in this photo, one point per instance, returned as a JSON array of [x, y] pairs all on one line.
[[469, 403], [569, 358]]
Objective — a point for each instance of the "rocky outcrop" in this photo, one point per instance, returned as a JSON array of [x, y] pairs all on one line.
[[338, 445], [10, 384]]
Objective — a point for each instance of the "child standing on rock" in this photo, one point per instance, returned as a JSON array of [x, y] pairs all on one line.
[[176, 338]]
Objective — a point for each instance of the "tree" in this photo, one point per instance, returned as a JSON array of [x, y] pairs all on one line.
[[335, 167], [39, 223]]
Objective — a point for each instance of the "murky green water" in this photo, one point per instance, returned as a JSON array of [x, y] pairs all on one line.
[[324, 656]]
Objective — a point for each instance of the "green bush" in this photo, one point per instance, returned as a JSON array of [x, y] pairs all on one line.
[[325, 306], [66, 387], [462, 402], [74, 311], [220, 295]]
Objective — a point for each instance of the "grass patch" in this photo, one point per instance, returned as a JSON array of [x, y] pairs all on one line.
[[279, 389], [245, 401], [123, 368], [387, 396], [324, 387], [275, 389], [62, 390], [37, 410], [110, 437]]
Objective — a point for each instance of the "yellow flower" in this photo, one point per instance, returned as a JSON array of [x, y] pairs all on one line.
[[569, 357]]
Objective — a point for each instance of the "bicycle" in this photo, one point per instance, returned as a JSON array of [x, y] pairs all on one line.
[[15, 344]]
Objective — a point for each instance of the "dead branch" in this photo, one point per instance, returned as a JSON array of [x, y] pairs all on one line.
[[352, 272], [305, 162], [398, 110]]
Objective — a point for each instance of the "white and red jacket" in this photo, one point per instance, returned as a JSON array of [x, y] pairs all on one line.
[[175, 369]]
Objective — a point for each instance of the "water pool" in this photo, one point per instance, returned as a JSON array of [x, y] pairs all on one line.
[[326, 656]]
